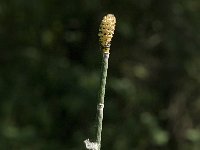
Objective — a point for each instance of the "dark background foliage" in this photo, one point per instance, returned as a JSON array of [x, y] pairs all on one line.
[[50, 69]]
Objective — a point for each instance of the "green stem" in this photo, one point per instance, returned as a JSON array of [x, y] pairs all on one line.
[[100, 104]]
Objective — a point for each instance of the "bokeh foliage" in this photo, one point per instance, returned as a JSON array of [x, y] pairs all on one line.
[[50, 65]]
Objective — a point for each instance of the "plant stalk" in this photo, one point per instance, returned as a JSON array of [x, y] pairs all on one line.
[[100, 104]]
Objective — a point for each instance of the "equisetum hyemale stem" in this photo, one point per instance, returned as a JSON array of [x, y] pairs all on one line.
[[106, 31]]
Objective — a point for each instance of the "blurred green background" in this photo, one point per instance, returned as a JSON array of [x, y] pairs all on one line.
[[50, 68]]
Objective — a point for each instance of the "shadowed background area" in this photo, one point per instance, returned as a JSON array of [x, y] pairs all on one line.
[[50, 69]]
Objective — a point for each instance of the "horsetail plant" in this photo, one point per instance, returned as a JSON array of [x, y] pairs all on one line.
[[106, 31]]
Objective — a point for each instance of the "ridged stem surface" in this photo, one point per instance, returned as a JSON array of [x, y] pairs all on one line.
[[100, 104]]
